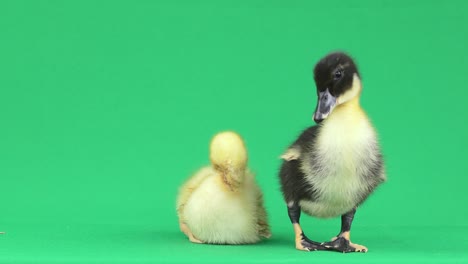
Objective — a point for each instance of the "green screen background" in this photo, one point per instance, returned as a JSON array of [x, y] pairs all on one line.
[[106, 107]]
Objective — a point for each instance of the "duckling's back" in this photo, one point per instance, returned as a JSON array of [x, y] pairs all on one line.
[[221, 204], [217, 215]]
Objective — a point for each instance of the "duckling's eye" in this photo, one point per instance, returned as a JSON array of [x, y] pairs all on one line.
[[338, 74]]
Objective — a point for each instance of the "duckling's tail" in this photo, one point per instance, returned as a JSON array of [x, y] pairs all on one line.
[[229, 156]]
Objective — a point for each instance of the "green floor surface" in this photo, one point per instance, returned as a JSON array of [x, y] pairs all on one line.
[[150, 244]]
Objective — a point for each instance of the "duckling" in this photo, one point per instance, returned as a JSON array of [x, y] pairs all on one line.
[[334, 166], [221, 203]]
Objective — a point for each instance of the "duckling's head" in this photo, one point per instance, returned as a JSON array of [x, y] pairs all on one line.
[[337, 79], [228, 152]]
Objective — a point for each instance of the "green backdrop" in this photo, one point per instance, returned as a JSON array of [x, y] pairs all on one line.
[[106, 107]]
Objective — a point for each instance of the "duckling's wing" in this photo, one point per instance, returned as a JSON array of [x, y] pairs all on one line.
[[189, 187], [307, 137], [293, 183], [302, 143]]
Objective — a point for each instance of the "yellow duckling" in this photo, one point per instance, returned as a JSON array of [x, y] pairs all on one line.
[[221, 203]]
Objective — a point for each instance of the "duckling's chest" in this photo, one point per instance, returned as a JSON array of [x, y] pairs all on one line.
[[336, 166]]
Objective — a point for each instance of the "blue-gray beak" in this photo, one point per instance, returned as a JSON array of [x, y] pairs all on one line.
[[326, 103]]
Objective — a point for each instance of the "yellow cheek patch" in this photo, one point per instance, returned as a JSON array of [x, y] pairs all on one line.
[[351, 93]]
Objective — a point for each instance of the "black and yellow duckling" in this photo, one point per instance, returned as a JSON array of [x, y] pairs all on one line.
[[221, 203], [333, 167]]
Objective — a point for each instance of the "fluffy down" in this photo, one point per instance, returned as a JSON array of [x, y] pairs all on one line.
[[221, 203]]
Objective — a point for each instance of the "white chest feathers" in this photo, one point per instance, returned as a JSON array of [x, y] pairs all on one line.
[[216, 215], [344, 146]]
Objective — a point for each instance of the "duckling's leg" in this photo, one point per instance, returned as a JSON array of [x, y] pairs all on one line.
[[186, 230], [302, 242], [342, 242]]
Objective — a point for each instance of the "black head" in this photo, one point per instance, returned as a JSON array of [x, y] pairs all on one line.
[[335, 77]]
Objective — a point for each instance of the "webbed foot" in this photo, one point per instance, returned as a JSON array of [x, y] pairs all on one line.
[[304, 243], [186, 230], [341, 244]]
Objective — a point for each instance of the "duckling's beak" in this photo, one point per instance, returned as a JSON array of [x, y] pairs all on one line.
[[326, 103]]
